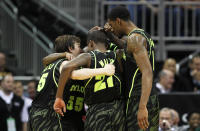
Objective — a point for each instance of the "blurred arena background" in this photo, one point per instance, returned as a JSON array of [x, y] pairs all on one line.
[[28, 29]]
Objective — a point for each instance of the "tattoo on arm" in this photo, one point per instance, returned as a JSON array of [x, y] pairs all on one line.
[[137, 46]]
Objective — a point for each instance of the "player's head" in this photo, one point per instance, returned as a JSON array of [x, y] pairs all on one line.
[[95, 38], [68, 43], [117, 18]]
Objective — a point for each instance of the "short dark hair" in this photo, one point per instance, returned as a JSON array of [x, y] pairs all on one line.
[[97, 36], [119, 12], [64, 42]]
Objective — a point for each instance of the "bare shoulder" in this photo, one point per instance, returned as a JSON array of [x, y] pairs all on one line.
[[62, 64], [135, 42], [65, 62], [83, 55], [82, 60]]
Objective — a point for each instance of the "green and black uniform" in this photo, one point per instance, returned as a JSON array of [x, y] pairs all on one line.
[[103, 96], [133, 82], [42, 115]]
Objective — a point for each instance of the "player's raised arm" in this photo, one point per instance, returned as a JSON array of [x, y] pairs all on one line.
[[81, 60], [137, 45], [109, 32]]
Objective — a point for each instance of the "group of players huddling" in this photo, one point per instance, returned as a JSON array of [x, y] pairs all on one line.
[[113, 77]]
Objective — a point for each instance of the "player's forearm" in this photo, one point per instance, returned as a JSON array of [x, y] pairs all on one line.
[[52, 57], [64, 77], [147, 78], [119, 42], [87, 73]]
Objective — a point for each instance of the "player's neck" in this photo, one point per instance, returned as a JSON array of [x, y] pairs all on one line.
[[100, 48], [130, 27]]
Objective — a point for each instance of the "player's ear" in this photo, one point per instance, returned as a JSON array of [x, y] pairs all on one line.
[[70, 49], [91, 44], [118, 20]]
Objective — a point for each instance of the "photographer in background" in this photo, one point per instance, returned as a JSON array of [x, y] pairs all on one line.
[[166, 120]]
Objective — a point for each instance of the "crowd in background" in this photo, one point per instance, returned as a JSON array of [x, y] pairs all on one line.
[[15, 98], [169, 121], [185, 79]]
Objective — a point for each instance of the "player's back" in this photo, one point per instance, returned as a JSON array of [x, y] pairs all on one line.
[[46, 91], [103, 88], [47, 86], [73, 96], [103, 94], [42, 112]]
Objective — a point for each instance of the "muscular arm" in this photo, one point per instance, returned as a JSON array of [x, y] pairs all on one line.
[[119, 42], [86, 73], [136, 45], [52, 57], [81, 60]]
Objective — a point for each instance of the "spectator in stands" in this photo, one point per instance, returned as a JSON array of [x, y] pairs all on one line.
[[190, 72], [165, 120], [180, 83], [193, 122], [18, 90], [197, 82], [3, 69], [11, 106], [31, 88], [166, 80], [175, 119], [170, 64]]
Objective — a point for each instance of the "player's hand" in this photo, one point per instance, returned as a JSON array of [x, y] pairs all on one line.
[[69, 56], [59, 106], [142, 117], [109, 69], [95, 28], [108, 28]]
